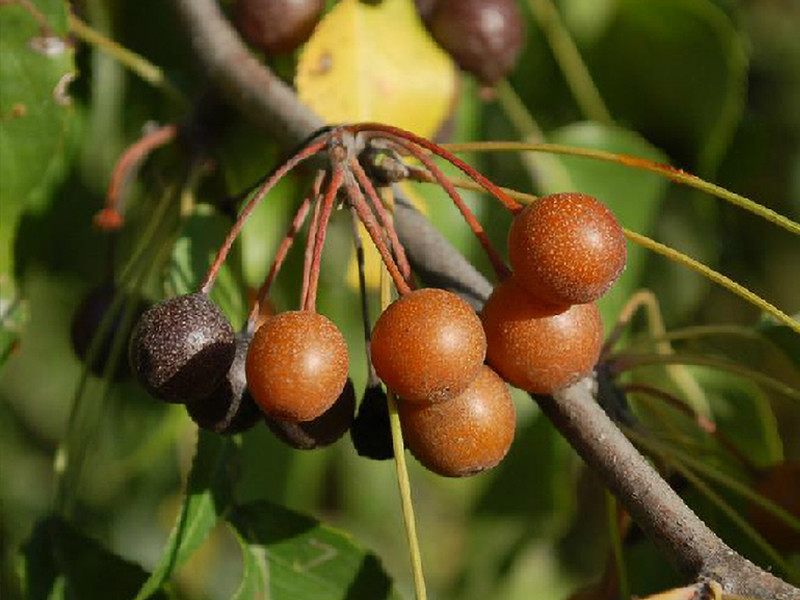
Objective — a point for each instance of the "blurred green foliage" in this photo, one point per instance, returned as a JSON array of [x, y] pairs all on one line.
[[711, 86]]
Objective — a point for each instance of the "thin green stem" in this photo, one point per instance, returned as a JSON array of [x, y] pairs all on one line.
[[715, 276], [625, 362], [616, 545], [149, 72], [569, 59], [400, 467], [667, 171]]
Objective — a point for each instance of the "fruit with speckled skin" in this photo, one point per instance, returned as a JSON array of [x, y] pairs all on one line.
[[539, 347], [566, 248], [181, 348], [428, 346], [466, 435], [483, 36], [296, 366], [322, 431], [229, 408], [277, 26], [371, 432]]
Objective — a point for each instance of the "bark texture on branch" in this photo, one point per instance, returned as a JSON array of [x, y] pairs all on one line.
[[251, 88]]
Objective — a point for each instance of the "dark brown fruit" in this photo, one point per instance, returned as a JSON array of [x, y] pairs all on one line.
[[466, 435], [371, 432], [428, 346], [483, 36], [230, 408], [277, 26], [322, 431], [181, 348], [86, 324], [567, 248], [780, 484], [539, 347], [297, 365]]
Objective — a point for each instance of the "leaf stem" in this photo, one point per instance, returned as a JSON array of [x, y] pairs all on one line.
[[626, 362], [401, 469], [570, 61], [715, 276], [635, 162]]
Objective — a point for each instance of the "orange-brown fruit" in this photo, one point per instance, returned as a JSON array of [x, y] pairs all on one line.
[[465, 435], [539, 347], [428, 346], [566, 248], [780, 484], [296, 366]]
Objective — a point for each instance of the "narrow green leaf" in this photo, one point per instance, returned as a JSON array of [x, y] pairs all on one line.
[[208, 496], [61, 562], [306, 559]]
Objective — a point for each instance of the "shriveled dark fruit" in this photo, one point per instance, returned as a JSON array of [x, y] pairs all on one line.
[[465, 435], [297, 365], [566, 248], [182, 348], [484, 37], [322, 431], [428, 345], [371, 432], [277, 26], [86, 324], [781, 485], [539, 347], [230, 408]]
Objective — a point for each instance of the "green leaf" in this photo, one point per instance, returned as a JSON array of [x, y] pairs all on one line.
[[634, 196], [674, 70], [306, 559], [36, 68], [60, 562], [208, 496]]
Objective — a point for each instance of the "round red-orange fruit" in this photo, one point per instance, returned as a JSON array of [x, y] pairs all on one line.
[[539, 347], [296, 365], [465, 435], [566, 248], [780, 484], [428, 346]]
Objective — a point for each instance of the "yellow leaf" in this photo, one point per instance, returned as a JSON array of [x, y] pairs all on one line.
[[376, 63]]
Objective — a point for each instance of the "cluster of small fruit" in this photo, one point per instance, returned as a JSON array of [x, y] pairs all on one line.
[[540, 330]]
